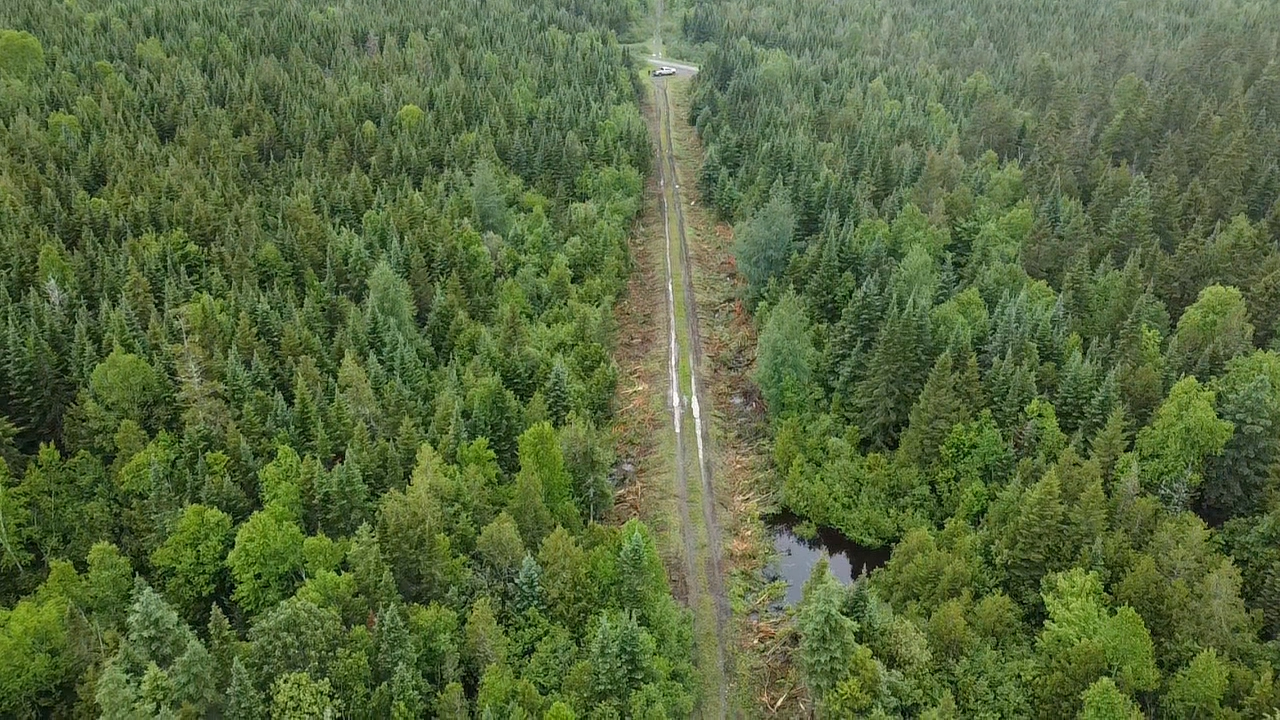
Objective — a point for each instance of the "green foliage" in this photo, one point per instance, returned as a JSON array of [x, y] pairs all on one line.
[[1211, 332], [21, 54], [1197, 690], [1014, 247], [1248, 397], [828, 640], [36, 660], [287, 290], [947, 399], [785, 357], [1185, 431], [1083, 640], [763, 242], [161, 667], [190, 562], [298, 696], [1104, 701], [266, 560]]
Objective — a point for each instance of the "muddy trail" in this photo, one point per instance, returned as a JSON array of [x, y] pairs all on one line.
[[703, 560], [689, 470]]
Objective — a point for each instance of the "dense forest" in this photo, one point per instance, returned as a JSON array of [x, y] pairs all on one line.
[[305, 363], [1015, 271]]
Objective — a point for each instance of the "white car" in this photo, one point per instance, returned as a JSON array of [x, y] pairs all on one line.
[[664, 71]]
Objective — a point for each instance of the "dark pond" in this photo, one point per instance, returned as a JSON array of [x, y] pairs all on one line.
[[797, 555]]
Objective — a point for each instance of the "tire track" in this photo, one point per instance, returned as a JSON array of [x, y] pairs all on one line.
[[677, 412], [669, 181], [712, 561]]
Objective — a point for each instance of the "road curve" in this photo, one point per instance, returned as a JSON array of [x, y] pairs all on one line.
[[682, 70]]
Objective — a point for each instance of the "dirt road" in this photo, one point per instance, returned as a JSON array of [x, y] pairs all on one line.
[[701, 537]]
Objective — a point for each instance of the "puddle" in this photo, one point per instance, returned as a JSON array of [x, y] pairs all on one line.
[[797, 555]]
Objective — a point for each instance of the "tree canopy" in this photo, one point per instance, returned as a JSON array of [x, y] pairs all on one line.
[[297, 300]]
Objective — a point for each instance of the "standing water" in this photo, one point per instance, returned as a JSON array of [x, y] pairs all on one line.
[[798, 555]]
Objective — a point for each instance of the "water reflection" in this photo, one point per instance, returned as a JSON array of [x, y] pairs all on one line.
[[796, 556]]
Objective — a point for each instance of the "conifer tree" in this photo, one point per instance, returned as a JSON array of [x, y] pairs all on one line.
[[557, 392], [785, 358], [897, 369], [827, 638], [942, 404], [528, 594], [1032, 546], [618, 655], [451, 703], [1077, 388]]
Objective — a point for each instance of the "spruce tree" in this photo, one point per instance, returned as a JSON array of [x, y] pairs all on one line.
[[559, 401], [618, 658], [193, 675], [1077, 387], [897, 369], [528, 590], [827, 638], [942, 405], [395, 646], [116, 696], [1032, 545]]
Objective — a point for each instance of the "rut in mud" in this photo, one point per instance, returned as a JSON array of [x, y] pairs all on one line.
[[678, 261]]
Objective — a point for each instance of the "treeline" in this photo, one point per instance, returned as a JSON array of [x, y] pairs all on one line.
[[1016, 274], [305, 375]]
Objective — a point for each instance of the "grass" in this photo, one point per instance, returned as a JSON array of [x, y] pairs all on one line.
[[700, 600], [739, 437]]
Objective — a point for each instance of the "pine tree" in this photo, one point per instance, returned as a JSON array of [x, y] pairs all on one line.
[[243, 699]]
